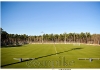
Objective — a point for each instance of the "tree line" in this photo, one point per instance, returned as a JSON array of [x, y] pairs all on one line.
[[16, 39]]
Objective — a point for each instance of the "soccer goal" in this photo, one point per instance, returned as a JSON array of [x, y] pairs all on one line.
[[76, 44]]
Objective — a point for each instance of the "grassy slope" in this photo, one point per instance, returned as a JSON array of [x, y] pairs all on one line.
[[46, 52]]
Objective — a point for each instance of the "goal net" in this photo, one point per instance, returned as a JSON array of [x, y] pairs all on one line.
[[76, 44]]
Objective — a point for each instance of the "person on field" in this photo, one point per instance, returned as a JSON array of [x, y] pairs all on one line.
[[90, 60], [20, 59]]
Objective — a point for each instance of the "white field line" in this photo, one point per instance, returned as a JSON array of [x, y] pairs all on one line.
[[66, 43], [55, 49]]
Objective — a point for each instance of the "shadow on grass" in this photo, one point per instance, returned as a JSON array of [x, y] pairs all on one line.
[[11, 46], [42, 57], [59, 52], [15, 63]]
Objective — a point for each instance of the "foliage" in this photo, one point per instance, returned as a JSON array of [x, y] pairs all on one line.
[[15, 39]]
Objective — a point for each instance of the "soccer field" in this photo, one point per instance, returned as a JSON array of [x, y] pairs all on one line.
[[51, 56]]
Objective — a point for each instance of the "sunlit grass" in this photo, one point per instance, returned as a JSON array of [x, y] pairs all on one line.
[[47, 52]]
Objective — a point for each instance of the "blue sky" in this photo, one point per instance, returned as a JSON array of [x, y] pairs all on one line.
[[32, 18]]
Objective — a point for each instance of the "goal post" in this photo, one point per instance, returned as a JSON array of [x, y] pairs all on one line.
[[76, 44]]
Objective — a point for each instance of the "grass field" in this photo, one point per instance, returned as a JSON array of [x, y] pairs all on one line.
[[50, 56]]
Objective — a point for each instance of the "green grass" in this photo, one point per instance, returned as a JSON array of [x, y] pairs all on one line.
[[46, 56]]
